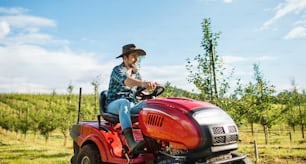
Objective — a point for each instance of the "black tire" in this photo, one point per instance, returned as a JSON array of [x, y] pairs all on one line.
[[89, 154], [73, 159], [75, 148], [244, 161]]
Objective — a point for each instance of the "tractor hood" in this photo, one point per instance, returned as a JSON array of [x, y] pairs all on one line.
[[182, 104], [203, 112], [188, 124]]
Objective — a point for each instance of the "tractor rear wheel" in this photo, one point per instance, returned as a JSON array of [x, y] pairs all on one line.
[[89, 154]]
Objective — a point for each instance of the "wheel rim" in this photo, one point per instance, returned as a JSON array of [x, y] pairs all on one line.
[[85, 160]]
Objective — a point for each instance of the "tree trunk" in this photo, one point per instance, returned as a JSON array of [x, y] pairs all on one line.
[[252, 129], [212, 49], [302, 121], [303, 129], [293, 127], [35, 135], [24, 136], [46, 138], [65, 137], [266, 131]]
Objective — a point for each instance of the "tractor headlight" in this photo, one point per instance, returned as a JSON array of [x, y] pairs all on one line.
[[209, 116]]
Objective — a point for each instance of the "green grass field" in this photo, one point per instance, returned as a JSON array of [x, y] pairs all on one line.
[[14, 149], [279, 149]]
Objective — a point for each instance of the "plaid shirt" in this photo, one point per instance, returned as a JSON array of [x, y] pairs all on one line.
[[117, 89]]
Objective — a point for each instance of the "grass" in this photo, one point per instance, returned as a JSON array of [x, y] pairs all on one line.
[[279, 149], [14, 149]]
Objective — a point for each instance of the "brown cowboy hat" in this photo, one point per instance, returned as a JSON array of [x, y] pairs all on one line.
[[129, 48]]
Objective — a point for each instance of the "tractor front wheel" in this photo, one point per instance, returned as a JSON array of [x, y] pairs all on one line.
[[89, 154]]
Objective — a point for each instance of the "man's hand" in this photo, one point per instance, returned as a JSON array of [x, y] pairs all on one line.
[[149, 85]]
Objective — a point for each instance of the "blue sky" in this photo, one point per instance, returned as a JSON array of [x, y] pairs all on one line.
[[46, 45]]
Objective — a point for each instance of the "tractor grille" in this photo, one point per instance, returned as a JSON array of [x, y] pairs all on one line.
[[222, 135], [218, 130], [155, 120]]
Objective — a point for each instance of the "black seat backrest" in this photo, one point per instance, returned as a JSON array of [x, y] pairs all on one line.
[[106, 115], [112, 118]]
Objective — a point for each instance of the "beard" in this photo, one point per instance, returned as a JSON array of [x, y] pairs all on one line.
[[133, 66]]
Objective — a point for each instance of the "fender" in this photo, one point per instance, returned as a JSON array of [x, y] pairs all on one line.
[[98, 141], [104, 141]]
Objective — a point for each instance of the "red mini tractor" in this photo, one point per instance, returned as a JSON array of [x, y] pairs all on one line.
[[174, 130]]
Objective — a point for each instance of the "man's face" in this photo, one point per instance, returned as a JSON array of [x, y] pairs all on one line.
[[131, 60]]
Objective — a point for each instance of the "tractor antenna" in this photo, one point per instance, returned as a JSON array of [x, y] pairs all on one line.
[[79, 109]]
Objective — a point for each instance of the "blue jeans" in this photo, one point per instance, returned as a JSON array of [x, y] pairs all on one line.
[[124, 108]]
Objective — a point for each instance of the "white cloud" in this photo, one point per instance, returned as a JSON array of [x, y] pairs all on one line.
[[228, 1], [14, 10], [25, 68], [27, 21], [175, 74], [34, 38], [297, 32], [265, 58], [237, 59], [233, 59], [283, 9], [21, 85], [19, 28], [34, 69], [4, 29], [28, 65], [17, 17]]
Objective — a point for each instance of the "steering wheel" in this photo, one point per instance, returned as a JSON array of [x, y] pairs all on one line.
[[141, 95]]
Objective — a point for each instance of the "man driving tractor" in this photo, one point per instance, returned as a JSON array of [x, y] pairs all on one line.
[[203, 132], [124, 81]]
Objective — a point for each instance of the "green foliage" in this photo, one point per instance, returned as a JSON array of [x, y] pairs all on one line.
[[95, 83], [42, 113], [258, 106], [293, 107], [172, 91], [206, 71]]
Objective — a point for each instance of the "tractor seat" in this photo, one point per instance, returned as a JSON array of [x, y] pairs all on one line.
[[110, 117]]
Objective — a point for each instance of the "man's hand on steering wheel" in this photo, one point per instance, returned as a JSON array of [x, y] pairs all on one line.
[[149, 85], [142, 94]]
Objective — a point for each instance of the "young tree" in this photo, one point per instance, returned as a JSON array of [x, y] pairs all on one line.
[[25, 122], [260, 97], [70, 114], [249, 104], [70, 90], [297, 100], [238, 108], [206, 70], [293, 104], [49, 119], [95, 83]]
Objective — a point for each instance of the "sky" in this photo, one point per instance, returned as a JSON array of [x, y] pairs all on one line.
[[47, 45]]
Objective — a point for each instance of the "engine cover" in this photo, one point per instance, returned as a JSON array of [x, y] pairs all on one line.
[[168, 119], [188, 124]]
